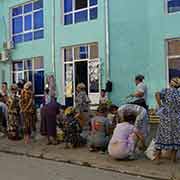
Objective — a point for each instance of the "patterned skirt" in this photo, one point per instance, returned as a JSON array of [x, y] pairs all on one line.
[[168, 133]]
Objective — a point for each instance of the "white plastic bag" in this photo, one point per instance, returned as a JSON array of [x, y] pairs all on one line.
[[150, 152]]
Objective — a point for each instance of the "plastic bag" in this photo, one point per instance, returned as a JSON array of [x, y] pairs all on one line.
[[150, 152]]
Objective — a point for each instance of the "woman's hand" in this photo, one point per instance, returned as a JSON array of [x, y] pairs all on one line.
[[158, 98]]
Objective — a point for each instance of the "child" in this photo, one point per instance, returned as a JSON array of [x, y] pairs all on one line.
[[100, 127], [72, 129], [103, 97], [122, 144]]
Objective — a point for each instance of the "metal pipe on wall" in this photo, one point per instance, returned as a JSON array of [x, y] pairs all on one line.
[[107, 39], [53, 39]]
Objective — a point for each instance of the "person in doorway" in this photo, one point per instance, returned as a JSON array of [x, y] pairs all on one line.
[[82, 108], [100, 131], [27, 110], [168, 134], [3, 114], [122, 143], [50, 114], [140, 94], [13, 113], [4, 91]]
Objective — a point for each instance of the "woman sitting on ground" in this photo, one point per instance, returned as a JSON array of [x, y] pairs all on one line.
[[122, 144], [72, 129], [141, 122], [100, 130]]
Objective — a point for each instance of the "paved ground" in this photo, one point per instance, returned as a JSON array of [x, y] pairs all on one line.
[[26, 168], [83, 157]]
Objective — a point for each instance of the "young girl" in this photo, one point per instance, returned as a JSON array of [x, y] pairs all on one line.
[[122, 144]]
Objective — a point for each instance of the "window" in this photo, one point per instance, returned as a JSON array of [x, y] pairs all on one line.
[[76, 11], [174, 58], [31, 70], [173, 6], [27, 22]]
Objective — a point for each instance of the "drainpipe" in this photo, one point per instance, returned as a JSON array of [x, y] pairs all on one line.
[[107, 39], [53, 39]]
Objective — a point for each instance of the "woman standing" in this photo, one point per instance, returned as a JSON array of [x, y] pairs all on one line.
[[26, 106], [51, 111], [168, 134], [82, 108], [13, 113], [46, 100], [140, 94]]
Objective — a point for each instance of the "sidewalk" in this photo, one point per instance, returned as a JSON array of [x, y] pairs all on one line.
[[83, 157]]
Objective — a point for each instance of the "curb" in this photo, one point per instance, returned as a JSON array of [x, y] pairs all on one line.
[[85, 164]]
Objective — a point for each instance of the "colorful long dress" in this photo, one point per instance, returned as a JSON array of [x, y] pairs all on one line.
[[27, 110], [168, 134], [82, 102], [13, 117]]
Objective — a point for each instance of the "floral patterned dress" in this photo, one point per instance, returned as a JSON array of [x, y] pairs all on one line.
[[13, 116], [168, 134]]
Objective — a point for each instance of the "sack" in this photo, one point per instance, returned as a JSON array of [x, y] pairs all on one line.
[[150, 152]]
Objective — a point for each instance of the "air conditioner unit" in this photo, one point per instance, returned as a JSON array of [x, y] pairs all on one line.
[[4, 56], [8, 45]]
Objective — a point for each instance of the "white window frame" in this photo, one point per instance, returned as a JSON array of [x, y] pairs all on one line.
[[23, 17], [166, 9], [33, 70], [88, 8], [73, 64], [169, 57]]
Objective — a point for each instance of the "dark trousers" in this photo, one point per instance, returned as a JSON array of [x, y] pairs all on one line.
[[141, 102]]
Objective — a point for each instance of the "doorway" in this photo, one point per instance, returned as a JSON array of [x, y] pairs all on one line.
[[81, 73], [81, 65]]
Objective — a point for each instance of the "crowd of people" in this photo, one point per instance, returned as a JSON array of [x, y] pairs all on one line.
[[121, 131]]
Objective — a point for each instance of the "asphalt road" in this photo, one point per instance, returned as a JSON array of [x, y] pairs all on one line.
[[24, 168]]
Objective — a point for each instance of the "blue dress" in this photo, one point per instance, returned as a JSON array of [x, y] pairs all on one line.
[[168, 134]]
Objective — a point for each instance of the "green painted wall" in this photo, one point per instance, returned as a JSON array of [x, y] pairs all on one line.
[[128, 45], [137, 37], [86, 32], [161, 27], [137, 42]]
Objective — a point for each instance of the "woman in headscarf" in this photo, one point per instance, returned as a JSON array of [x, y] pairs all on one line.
[[51, 111], [168, 134], [141, 122], [46, 100], [27, 110], [82, 108], [13, 113]]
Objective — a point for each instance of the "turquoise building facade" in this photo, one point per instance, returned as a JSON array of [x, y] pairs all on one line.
[[91, 41]]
